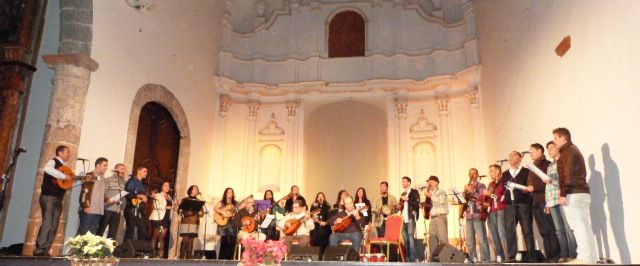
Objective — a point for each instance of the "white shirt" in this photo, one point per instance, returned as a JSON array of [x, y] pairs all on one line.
[[514, 171], [405, 208], [50, 168]]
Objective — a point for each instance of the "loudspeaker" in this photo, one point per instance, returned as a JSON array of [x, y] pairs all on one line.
[[302, 253], [209, 254], [448, 253], [340, 253], [133, 249]]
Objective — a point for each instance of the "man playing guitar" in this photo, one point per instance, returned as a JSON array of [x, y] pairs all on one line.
[[384, 206], [51, 197], [298, 217], [352, 232]]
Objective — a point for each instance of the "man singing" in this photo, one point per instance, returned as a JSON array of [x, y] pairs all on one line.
[[114, 185]]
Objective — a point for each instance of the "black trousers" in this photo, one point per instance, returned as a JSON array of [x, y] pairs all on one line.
[[136, 224], [547, 231], [110, 219], [51, 209], [519, 213]]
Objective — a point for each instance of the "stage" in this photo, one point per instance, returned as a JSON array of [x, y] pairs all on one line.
[[60, 261]]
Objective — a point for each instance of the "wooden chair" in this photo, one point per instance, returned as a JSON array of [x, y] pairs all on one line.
[[392, 236]]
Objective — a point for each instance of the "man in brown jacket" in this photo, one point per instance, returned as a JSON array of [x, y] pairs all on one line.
[[574, 194]]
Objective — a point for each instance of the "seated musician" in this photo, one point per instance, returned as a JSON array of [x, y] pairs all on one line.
[[352, 232], [301, 236], [246, 215]]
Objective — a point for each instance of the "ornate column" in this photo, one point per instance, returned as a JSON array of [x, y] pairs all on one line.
[[292, 147], [250, 153], [64, 124], [478, 138], [445, 141], [401, 111]]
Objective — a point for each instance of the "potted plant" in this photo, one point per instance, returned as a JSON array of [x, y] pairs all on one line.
[[258, 252], [91, 250]]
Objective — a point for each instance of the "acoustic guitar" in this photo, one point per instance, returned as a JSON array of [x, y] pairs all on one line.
[[347, 221], [67, 184], [291, 226], [229, 211]]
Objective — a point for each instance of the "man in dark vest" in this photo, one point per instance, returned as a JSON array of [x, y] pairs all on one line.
[[51, 197], [518, 208]]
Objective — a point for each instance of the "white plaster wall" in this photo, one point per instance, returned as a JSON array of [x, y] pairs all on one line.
[[36, 117], [528, 91], [174, 45]]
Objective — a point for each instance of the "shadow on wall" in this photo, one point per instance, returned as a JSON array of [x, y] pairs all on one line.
[[607, 188], [614, 203]]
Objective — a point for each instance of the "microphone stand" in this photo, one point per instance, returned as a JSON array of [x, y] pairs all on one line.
[[206, 214]]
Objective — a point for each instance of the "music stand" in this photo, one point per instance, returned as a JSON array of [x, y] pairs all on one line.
[[191, 205]]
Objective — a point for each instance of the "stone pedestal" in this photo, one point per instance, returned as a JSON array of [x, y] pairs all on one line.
[[64, 125]]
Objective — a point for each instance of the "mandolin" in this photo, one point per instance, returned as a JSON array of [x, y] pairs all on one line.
[[249, 224], [347, 221], [291, 226]]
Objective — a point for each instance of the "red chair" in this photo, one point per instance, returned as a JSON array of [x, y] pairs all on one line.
[[392, 236]]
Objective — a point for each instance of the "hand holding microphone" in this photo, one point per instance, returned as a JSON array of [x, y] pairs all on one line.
[[513, 185]]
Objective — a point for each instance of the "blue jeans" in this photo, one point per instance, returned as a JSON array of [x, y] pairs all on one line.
[[564, 234], [408, 233], [88, 223], [475, 229], [355, 237], [498, 232]]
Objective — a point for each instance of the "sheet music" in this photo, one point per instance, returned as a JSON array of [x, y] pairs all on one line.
[[119, 196], [362, 205], [267, 221], [457, 194], [545, 178]]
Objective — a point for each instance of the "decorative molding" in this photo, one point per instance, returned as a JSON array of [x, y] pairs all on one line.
[[292, 108], [443, 105], [399, 52], [472, 96], [298, 7], [458, 85], [271, 131], [253, 110], [225, 103], [422, 128], [401, 108]]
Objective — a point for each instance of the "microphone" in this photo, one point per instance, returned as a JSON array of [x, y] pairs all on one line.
[[502, 161], [525, 152], [483, 176], [82, 159], [21, 150]]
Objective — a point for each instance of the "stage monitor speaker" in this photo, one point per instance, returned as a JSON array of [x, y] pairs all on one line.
[[448, 254], [340, 253], [133, 249], [302, 253]]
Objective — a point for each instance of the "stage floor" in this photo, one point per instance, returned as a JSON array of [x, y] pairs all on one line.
[[30, 261]]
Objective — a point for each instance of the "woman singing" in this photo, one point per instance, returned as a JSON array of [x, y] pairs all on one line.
[[189, 224], [161, 219], [321, 232]]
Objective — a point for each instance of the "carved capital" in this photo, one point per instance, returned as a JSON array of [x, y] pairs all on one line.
[[443, 106], [472, 96], [253, 110], [292, 109], [225, 103], [401, 108], [80, 60]]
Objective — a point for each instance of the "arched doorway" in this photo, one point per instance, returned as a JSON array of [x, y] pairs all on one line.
[[157, 145], [157, 149], [157, 94]]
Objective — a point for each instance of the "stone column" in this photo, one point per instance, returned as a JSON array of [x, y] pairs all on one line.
[[250, 181], [64, 124], [401, 110]]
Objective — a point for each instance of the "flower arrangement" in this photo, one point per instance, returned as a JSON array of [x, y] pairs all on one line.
[[259, 252], [90, 246]]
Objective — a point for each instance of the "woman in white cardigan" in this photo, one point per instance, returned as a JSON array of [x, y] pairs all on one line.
[[161, 219]]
